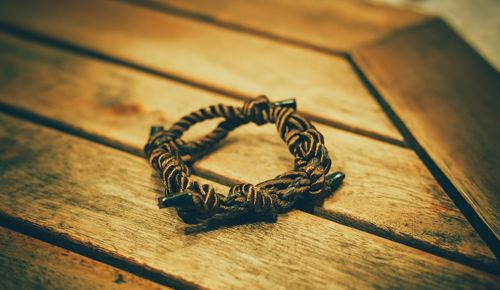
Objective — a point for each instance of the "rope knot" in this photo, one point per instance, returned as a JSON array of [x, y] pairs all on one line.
[[196, 201], [250, 197], [160, 137], [316, 174], [304, 144], [205, 200], [257, 110]]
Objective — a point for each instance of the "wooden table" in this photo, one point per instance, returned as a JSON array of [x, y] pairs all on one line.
[[408, 110]]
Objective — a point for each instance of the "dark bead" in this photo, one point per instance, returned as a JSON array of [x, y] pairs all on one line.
[[155, 129], [178, 200], [335, 179], [288, 103]]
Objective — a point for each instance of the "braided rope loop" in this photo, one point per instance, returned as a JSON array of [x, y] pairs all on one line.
[[196, 202]]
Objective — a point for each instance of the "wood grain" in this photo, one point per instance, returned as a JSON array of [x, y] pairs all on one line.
[[448, 98], [28, 263], [388, 191], [338, 26], [104, 199], [215, 58], [476, 22]]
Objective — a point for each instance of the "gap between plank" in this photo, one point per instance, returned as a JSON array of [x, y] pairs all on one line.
[[206, 18], [72, 48], [349, 221], [470, 214], [63, 241], [213, 176]]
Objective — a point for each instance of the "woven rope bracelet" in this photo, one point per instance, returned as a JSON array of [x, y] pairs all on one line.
[[196, 202]]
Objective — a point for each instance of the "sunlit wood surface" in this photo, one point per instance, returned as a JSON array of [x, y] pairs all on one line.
[[455, 116], [82, 82], [28, 263]]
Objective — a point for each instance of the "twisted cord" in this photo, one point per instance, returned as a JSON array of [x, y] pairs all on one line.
[[196, 202]]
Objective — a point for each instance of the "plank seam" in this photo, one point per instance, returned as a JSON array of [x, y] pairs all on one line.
[[213, 176], [87, 250], [347, 220], [229, 25], [473, 218], [233, 26], [72, 48]]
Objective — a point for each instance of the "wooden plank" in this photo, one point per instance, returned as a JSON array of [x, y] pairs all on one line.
[[103, 198], [211, 57], [28, 263], [448, 98], [475, 21], [336, 26], [388, 191]]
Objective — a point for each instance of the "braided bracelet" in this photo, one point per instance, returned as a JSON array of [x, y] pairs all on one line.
[[196, 202]]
